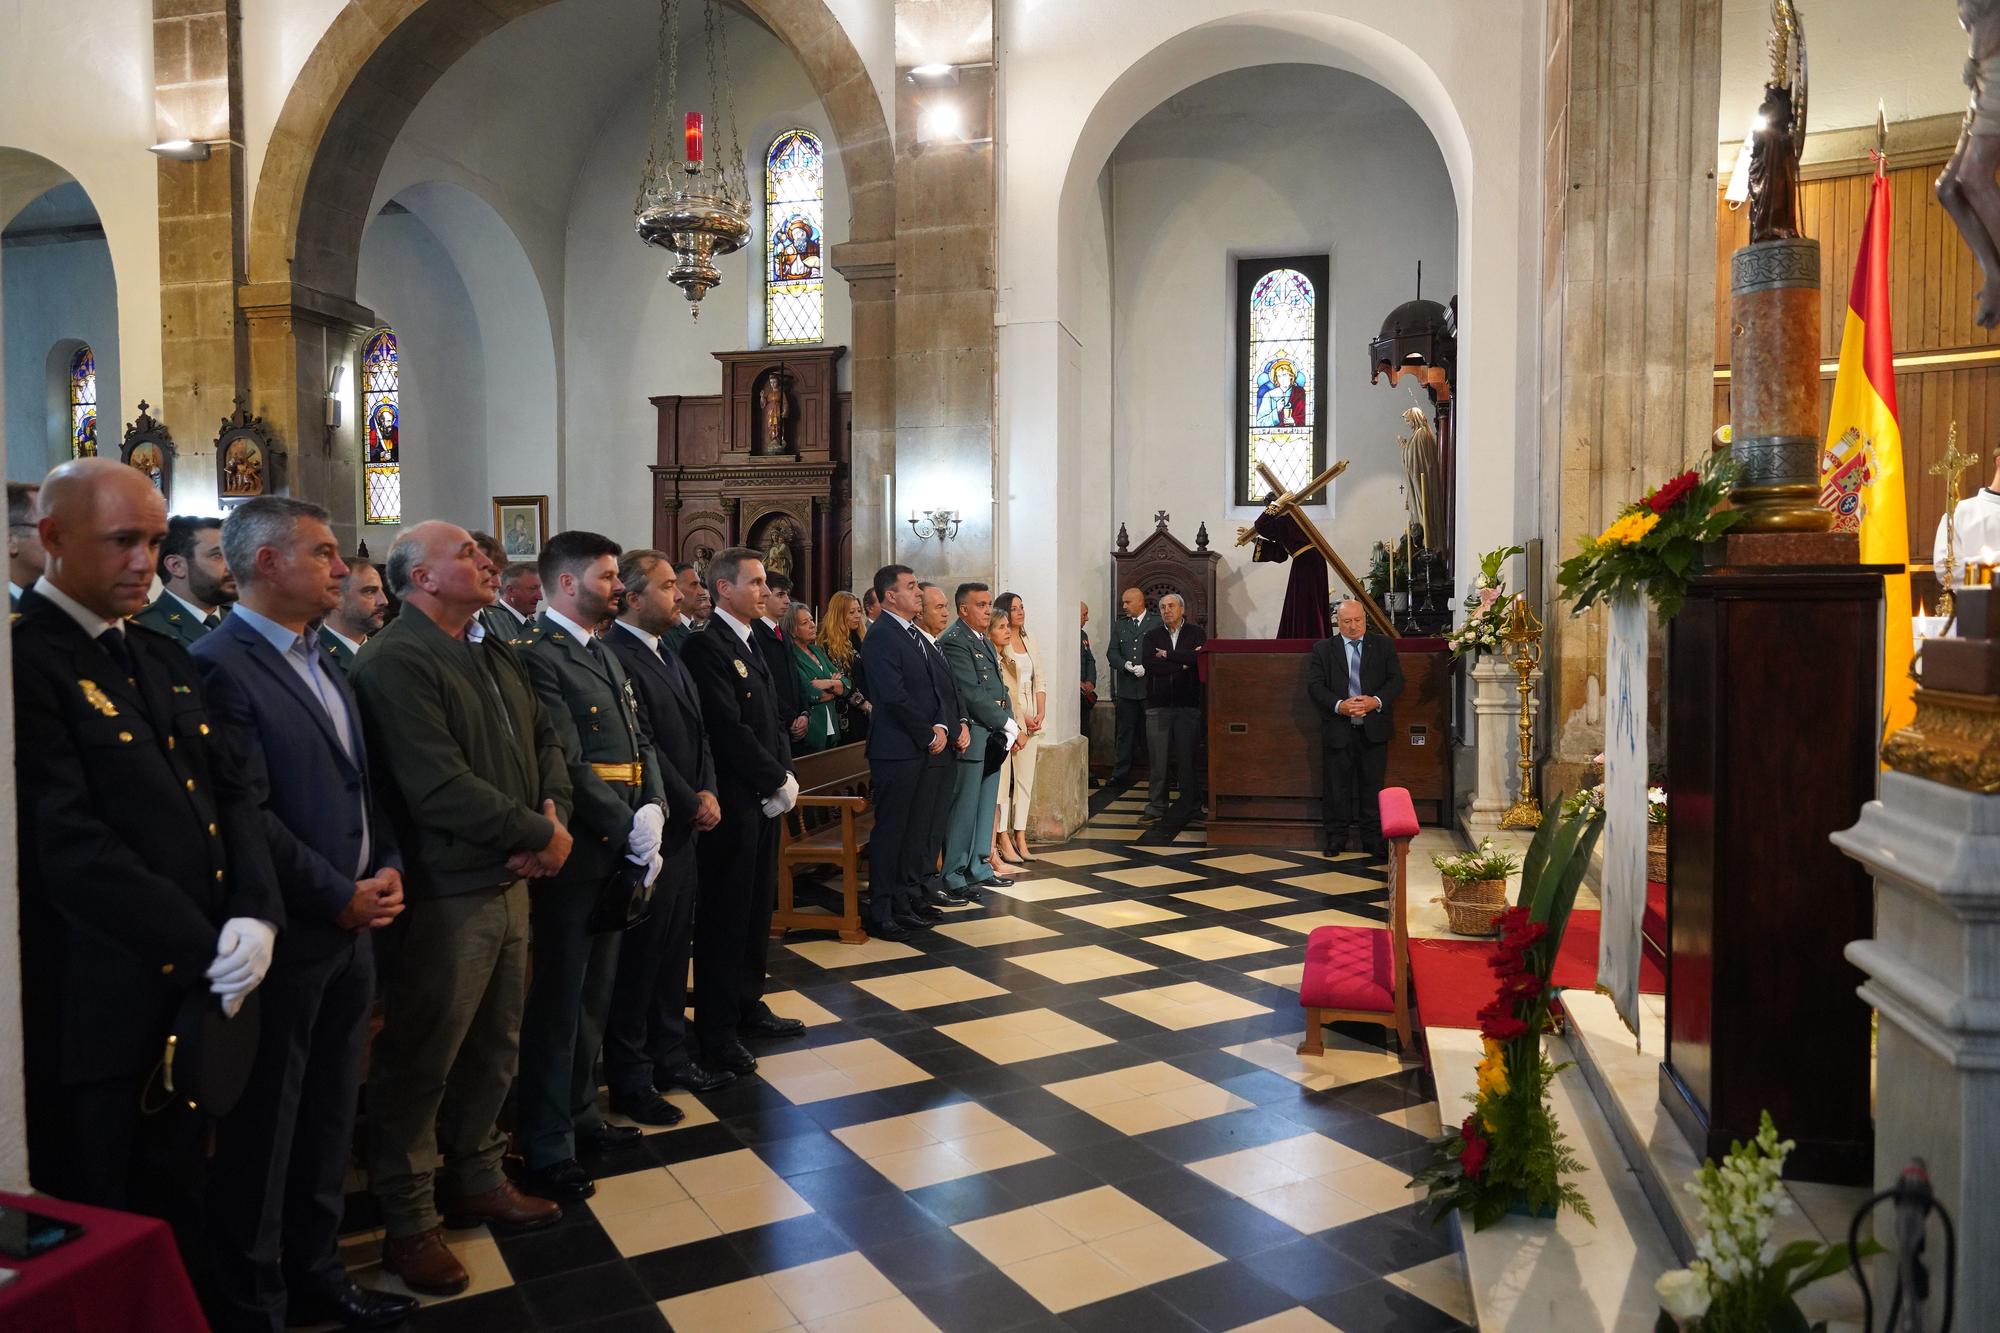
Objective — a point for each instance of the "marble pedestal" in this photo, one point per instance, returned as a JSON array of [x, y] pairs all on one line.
[[1496, 711], [1933, 975]]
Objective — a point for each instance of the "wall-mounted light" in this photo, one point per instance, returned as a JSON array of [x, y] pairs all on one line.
[[183, 150], [939, 523], [937, 71], [941, 121], [334, 384]]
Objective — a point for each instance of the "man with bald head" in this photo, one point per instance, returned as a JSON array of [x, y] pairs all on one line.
[[145, 877], [1352, 678], [478, 792]]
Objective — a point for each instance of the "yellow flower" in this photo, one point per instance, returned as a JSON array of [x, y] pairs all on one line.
[[1629, 529], [1493, 1071]]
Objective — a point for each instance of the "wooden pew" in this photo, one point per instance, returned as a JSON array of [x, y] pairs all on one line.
[[828, 827]]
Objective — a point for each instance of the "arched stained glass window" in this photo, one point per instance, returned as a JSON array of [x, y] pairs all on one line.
[[382, 419], [83, 404], [794, 221], [1281, 334]]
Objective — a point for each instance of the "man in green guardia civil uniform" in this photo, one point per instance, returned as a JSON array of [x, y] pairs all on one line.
[[199, 587], [982, 694]]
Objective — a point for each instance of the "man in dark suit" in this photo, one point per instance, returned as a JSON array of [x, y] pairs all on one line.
[[910, 726], [619, 814], [362, 609], [24, 543], [1352, 679], [931, 819], [696, 607], [777, 647], [199, 586], [291, 730], [645, 1042], [749, 735], [1173, 709], [145, 874]]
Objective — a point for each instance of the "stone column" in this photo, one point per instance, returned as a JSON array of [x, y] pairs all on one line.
[[1628, 295], [296, 337], [1496, 708], [870, 270], [1933, 976], [204, 350]]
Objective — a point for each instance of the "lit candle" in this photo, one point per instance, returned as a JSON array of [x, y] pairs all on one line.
[[693, 135]]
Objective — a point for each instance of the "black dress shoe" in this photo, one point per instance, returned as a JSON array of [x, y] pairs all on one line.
[[343, 1302], [734, 1058], [561, 1182], [998, 882], [692, 1077], [910, 921], [648, 1109], [606, 1137], [770, 1025], [923, 912], [943, 898], [889, 930]]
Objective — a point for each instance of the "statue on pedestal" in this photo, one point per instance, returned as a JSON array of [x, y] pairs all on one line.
[[771, 407], [1966, 188], [1779, 140]]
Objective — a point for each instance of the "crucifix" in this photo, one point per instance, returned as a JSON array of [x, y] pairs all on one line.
[[1288, 502], [1949, 467]]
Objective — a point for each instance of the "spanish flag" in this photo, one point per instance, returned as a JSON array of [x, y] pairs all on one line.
[[1862, 469]]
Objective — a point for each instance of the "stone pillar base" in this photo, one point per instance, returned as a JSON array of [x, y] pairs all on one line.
[[1496, 710], [1062, 789]]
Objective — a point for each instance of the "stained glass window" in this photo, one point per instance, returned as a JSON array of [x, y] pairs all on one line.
[[1281, 332], [794, 219], [381, 416], [83, 404]]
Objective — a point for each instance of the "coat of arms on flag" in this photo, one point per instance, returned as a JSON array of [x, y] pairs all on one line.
[[1845, 470]]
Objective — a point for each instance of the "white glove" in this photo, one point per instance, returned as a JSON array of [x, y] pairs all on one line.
[[1013, 730], [653, 869], [242, 957], [1135, 668], [782, 799], [649, 823]]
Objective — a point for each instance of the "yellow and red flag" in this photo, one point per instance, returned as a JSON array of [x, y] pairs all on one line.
[[1861, 471]]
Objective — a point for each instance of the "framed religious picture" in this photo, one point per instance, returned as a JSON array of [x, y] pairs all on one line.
[[247, 462], [521, 522], [150, 448]]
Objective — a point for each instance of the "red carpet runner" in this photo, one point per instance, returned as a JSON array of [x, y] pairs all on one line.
[[1453, 982]]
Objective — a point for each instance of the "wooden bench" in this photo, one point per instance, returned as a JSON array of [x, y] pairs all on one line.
[[828, 827], [1362, 973]]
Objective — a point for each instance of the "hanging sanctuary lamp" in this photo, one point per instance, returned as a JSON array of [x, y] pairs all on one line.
[[694, 207]]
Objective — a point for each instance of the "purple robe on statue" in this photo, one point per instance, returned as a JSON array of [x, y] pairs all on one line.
[[1280, 538]]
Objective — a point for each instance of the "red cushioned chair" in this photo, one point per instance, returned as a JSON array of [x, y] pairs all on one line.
[[1362, 973]]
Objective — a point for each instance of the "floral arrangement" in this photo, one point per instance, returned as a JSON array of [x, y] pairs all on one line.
[[1509, 1155], [1590, 801], [1484, 862], [1485, 607], [1742, 1282], [1655, 541]]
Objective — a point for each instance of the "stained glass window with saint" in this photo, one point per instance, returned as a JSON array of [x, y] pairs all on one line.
[[794, 222], [382, 420], [1282, 335], [83, 404]]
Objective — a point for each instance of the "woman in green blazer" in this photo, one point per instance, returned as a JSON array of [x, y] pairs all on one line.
[[820, 681]]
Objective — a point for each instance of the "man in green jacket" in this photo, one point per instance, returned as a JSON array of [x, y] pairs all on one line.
[[479, 792], [620, 816], [363, 609], [199, 587], [982, 694], [1128, 687]]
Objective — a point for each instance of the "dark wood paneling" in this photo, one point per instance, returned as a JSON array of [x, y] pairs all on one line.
[[1932, 279]]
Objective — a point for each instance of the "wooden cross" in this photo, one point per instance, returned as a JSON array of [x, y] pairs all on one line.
[[1287, 502]]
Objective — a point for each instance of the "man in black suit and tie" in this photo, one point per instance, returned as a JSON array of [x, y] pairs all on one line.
[[749, 735], [646, 1042], [777, 648], [910, 727], [1352, 679], [931, 820], [291, 730], [145, 873]]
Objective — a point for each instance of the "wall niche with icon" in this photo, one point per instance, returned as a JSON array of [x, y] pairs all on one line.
[[247, 461], [149, 447]]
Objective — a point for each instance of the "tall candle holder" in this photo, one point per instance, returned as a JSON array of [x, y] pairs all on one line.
[[1949, 467], [1524, 635]]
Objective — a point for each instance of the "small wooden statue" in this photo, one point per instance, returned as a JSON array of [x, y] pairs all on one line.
[[1967, 189], [1779, 140], [771, 405]]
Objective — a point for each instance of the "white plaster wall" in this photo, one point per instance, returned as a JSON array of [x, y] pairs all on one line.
[[1285, 160], [1907, 53], [408, 278], [57, 295]]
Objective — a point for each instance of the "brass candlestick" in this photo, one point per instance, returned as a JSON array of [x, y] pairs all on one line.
[[1524, 633], [1949, 467]]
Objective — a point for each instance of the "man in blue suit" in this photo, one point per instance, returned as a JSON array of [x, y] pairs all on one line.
[[290, 728], [910, 724]]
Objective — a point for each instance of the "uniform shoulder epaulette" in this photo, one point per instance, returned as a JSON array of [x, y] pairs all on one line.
[[133, 622]]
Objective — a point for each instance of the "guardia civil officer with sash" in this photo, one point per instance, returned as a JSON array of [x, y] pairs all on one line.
[[982, 697], [617, 818]]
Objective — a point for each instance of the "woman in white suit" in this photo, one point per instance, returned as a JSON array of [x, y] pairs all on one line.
[[1031, 706]]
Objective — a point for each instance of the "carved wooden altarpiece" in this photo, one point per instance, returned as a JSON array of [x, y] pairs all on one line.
[[762, 464]]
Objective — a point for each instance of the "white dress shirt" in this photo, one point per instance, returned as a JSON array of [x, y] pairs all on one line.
[[86, 619]]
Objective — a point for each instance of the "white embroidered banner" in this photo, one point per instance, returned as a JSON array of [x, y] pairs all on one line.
[[1624, 840]]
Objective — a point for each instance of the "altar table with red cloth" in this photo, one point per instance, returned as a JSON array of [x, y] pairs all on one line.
[[123, 1273]]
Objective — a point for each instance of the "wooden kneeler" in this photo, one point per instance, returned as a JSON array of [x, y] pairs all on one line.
[[1362, 973]]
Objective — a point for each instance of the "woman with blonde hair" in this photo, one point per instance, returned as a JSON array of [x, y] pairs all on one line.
[[821, 683], [1013, 797], [840, 636]]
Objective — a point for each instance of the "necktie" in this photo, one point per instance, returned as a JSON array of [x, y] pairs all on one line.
[[212, 620], [1354, 673], [114, 643]]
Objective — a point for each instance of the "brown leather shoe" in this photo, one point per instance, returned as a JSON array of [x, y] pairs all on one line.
[[425, 1264], [503, 1204]]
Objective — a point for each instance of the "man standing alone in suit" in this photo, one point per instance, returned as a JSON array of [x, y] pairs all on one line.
[[1352, 679], [358, 616], [199, 586], [645, 1042], [145, 875], [910, 726], [749, 735], [1173, 709], [291, 730]]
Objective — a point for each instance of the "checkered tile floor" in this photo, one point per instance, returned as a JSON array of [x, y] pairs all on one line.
[[1076, 1107]]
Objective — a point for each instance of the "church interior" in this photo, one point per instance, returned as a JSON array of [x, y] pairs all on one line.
[[1647, 408]]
